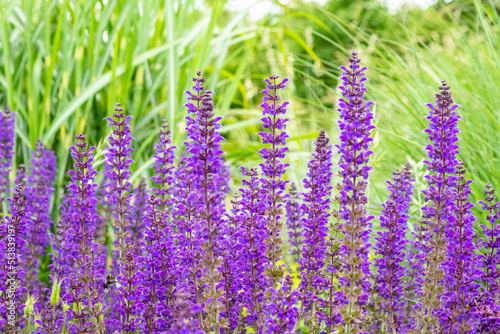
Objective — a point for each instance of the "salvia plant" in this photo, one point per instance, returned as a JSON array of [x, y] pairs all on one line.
[[183, 253]]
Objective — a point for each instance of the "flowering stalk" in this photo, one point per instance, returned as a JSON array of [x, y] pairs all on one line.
[[461, 272], [439, 197], [316, 206], [273, 185], [164, 160], [204, 147], [81, 215], [252, 250], [355, 126], [136, 227], [189, 250], [231, 265], [7, 142], [390, 246], [491, 241], [38, 194], [294, 216], [281, 310], [117, 172], [12, 273]]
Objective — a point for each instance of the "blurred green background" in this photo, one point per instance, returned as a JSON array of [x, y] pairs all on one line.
[[64, 64]]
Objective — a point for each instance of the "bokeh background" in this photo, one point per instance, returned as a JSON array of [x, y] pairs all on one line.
[[64, 64]]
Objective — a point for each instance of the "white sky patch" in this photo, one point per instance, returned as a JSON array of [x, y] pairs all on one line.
[[257, 9]]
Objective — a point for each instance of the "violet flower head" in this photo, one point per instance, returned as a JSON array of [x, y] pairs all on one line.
[[355, 128], [252, 250], [86, 273], [461, 271], [282, 309], [12, 274], [316, 207], [38, 194], [391, 246], [163, 167], [294, 216], [273, 185], [118, 163], [490, 241], [205, 157], [440, 200], [7, 142], [486, 305]]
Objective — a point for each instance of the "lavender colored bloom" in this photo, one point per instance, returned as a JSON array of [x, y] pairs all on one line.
[[273, 185], [183, 312], [230, 270], [355, 127], [486, 304], [294, 215], [316, 207], [38, 194], [118, 163], [186, 197], [203, 145], [391, 246], [136, 227], [461, 272], [12, 274], [440, 198], [164, 164], [252, 250], [49, 323], [85, 272], [7, 142], [281, 310]]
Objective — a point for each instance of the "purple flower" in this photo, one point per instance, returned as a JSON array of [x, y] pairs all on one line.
[[117, 173], [440, 201], [252, 250], [355, 128], [391, 246], [273, 185], [316, 207], [486, 304], [281, 310], [163, 167], [294, 215], [83, 259], [38, 194], [461, 272], [205, 158], [12, 245], [7, 142]]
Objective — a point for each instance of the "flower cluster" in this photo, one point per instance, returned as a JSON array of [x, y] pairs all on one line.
[[355, 128], [390, 246], [182, 253]]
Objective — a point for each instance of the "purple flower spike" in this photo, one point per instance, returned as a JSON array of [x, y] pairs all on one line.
[[461, 272], [440, 201], [38, 194], [486, 303], [205, 158], [282, 310], [164, 160], [253, 250], [355, 128], [12, 245], [273, 185], [117, 173], [7, 142], [294, 215], [316, 207], [80, 215], [391, 246]]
